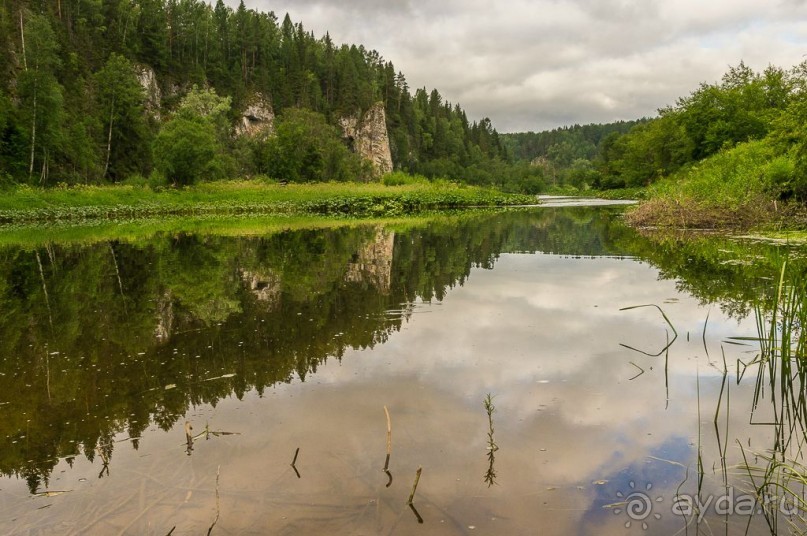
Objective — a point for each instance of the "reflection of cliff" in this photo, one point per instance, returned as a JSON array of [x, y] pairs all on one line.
[[264, 286], [165, 317], [372, 264]]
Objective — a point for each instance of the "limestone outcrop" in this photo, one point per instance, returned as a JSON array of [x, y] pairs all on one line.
[[148, 81], [369, 138], [257, 119]]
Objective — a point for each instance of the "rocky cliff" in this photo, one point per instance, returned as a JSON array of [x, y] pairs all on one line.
[[368, 137], [257, 119], [148, 81]]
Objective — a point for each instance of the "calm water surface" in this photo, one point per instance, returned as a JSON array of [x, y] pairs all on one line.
[[110, 351]]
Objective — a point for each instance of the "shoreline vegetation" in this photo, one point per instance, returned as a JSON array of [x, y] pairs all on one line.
[[731, 155], [23, 205]]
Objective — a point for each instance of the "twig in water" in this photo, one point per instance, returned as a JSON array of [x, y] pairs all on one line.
[[669, 342], [417, 514], [189, 437], [641, 370], [294, 462], [389, 434], [218, 471], [389, 447], [415, 486], [490, 475]]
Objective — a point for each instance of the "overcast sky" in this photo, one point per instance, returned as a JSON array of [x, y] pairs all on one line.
[[538, 64]]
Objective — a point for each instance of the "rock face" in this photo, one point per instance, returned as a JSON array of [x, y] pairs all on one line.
[[369, 138], [148, 81], [257, 119]]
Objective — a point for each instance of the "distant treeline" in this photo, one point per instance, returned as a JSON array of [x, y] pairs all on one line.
[[73, 110], [567, 155], [749, 126]]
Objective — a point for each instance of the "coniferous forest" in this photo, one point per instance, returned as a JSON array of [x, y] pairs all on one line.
[[106, 91]]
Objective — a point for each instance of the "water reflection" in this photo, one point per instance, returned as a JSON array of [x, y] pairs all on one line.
[[297, 340]]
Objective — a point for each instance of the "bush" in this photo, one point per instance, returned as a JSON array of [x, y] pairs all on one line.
[[186, 150], [305, 148]]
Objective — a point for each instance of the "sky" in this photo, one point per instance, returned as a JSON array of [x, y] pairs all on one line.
[[541, 64]]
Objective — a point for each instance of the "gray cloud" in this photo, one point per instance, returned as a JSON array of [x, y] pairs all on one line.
[[535, 64]]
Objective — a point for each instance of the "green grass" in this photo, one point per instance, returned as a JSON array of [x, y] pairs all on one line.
[[25, 204], [735, 188]]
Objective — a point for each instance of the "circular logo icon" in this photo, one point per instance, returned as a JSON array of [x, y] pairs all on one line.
[[637, 504]]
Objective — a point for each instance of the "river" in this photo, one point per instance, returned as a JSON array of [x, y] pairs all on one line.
[[240, 377]]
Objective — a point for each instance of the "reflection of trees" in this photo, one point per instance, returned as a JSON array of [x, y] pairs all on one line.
[[130, 319], [735, 274]]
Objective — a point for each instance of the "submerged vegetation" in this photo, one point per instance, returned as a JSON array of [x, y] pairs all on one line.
[[778, 476]]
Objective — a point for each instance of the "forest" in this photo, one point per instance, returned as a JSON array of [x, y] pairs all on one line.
[[743, 134], [567, 156], [73, 108]]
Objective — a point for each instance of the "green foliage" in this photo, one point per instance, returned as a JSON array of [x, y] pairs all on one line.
[[41, 99], [206, 104], [736, 187], [566, 155], [732, 177], [305, 148], [738, 109], [120, 99], [648, 152], [186, 150]]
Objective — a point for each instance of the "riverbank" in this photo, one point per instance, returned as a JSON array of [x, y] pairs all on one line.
[[764, 214], [737, 189], [120, 202]]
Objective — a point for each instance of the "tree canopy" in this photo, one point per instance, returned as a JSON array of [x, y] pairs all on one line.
[[87, 86]]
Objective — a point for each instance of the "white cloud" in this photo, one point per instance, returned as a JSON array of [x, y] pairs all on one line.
[[530, 65]]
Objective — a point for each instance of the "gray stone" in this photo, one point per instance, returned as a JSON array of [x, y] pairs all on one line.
[[257, 119], [369, 138], [148, 81]]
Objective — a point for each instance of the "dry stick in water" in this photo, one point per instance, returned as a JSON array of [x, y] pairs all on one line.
[[294, 463], [218, 471], [389, 435], [389, 447], [415, 486], [189, 437]]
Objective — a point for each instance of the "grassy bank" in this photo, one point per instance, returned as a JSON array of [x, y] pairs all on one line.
[[22, 205], [735, 189]]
